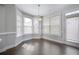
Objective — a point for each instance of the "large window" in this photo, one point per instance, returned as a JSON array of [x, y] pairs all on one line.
[[72, 26], [19, 25], [36, 26], [46, 25], [72, 29], [55, 25], [27, 26]]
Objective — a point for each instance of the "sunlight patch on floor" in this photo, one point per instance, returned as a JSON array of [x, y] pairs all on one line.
[[28, 47]]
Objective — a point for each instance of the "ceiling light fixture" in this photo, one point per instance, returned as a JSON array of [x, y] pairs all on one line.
[[39, 17]]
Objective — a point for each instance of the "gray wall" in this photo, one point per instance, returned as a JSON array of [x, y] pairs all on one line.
[[7, 26]]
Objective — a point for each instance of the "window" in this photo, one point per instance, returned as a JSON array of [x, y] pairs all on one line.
[[72, 29], [72, 26], [46, 25], [36, 26], [27, 26], [55, 25], [19, 25]]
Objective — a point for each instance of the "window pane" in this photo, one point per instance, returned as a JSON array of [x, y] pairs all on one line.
[[55, 25], [46, 21], [45, 25], [72, 29], [27, 30], [19, 25], [27, 26], [72, 26], [45, 29], [36, 26], [27, 22]]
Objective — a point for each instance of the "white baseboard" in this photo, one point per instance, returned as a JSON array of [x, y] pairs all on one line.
[[11, 46], [21, 42], [36, 37], [63, 42], [6, 48]]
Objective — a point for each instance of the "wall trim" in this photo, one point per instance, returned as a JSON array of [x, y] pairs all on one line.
[[63, 42], [16, 44], [11, 46], [6, 48], [7, 33]]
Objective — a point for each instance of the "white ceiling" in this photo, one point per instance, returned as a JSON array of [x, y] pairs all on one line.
[[45, 9]]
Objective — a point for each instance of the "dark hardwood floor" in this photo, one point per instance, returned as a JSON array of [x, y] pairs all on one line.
[[41, 47]]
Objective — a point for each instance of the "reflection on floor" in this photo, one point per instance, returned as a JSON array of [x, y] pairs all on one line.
[[41, 47]]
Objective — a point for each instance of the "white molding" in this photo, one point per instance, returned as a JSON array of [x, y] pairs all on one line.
[[7, 33], [63, 42], [6, 48], [21, 41], [11, 46]]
